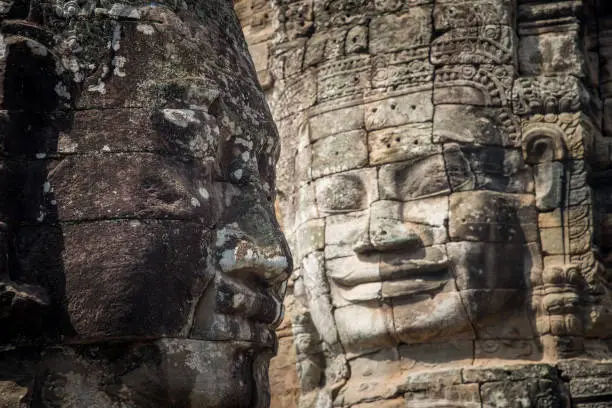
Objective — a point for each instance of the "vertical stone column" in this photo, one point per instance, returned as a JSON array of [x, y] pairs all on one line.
[[558, 100]]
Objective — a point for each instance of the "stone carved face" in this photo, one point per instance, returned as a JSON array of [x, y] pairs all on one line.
[[431, 240], [144, 165]]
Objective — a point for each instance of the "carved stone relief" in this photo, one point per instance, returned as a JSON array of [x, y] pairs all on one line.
[[445, 190], [141, 263]]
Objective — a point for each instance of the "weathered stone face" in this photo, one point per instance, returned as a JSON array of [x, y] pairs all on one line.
[[442, 178], [416, 221], [137, 179]]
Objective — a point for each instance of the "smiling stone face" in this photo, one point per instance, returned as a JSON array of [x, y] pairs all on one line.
[[417, 241], [442, 190]]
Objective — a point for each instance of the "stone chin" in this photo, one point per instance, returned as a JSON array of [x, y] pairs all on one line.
[[167, 372], [411, 319]]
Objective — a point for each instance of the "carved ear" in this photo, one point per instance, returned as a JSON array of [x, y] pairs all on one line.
[[304, 133], [544, 149], [543, 143]]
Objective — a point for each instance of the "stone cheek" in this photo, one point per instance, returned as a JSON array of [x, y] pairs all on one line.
[[169, 372]]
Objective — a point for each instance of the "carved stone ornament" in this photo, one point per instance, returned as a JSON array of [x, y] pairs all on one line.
[[141, 263], [445, 188]]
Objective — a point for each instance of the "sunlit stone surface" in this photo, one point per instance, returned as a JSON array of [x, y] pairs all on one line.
[[444, 183]]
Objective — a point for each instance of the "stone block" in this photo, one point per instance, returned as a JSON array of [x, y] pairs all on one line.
[[135, 130], [313, 275], [467, 395], [374, 376], [399, 110], [259, 54], [509, 373], [344, 231], [402, 143], [389, 230], [310, 237], [388, 403], [336, 120], [297, 95], [550, 219], [356, 39], [425, 318], [583, 367], [335, 44], [487, 168], [362, 326], [147, 273], [524, 394], [287, 64], [484, 265], [476, 125], [486, 307], [391, 32], [553, 260], [363, 293], [260, 27], [435, 379], [487, 216], [553, 241], [428, 211], [591, 387], [302, 165], [305, 206], [487, 44], [347, 192], [284, 383], [346, 79], [552, 53], [548, 179], [87, 187], [79, 370], [557, 94], [489, 351], [315, 49], [354, 270], [402, 70], [405, 181], [480, 85], [449, 14], [344, 151], [419, 265], [434, 356]]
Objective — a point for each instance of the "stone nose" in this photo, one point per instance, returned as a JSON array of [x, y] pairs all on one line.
[[385, 234], [253, 245]]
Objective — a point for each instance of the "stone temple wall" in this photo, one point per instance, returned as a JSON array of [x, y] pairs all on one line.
[[445, 186], [141, 263]]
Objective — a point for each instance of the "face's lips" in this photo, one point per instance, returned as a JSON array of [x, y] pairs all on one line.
[[401, 288], [251, 301], [415, 269], [407, 269]]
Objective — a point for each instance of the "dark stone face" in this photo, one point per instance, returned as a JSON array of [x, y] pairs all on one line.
[[137, 185]]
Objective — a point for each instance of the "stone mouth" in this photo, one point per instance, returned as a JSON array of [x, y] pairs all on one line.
[[419, 269], [405, 278], [414, 278], [401, 270], [250, 299]]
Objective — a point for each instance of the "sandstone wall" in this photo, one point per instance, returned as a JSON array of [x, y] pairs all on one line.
[[520, 90]]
